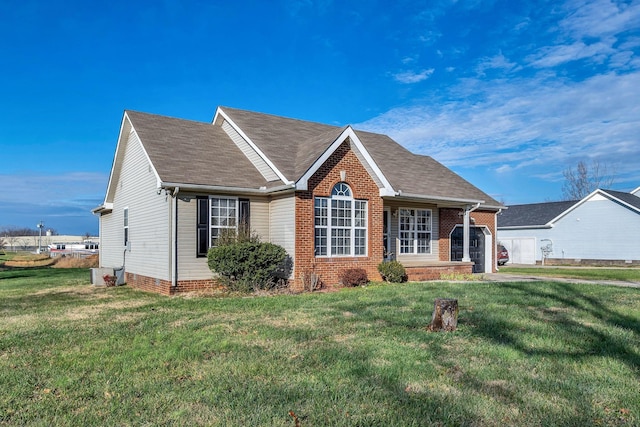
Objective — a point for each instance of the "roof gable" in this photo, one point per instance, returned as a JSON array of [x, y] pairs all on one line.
[[546, 214], [369, 163], [533, 215]]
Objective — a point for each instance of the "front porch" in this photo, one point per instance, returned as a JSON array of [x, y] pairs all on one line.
[[419, 271]]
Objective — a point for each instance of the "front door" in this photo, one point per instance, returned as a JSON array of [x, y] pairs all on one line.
[[476, 247]]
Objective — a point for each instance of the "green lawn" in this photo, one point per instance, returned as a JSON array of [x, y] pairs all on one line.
[[527, 354], [594, 273]]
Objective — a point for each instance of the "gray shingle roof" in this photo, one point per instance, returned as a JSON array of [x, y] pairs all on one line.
[[539, 214], [628, 198], [534, 214], [417, 174], [189, 152]]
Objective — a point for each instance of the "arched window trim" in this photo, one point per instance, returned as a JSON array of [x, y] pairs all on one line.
[[341, 224]]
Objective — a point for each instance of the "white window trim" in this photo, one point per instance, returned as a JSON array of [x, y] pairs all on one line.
[[125, 225], [415, 232], [353, 228], [211, 227]]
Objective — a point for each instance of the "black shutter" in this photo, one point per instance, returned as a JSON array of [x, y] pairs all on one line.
[[202, 232], [244, 215]]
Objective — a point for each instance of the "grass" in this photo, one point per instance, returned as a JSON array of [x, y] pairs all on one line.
[[526, 354], [593, 273]]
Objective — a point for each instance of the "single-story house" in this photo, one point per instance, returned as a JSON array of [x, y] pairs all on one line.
[[333, 197], [603, 227]]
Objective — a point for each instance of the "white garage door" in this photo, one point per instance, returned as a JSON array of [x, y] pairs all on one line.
[[522, 250]]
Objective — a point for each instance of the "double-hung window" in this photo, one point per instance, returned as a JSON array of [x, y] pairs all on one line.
[[414, 231], [340, 223], [217, 214]]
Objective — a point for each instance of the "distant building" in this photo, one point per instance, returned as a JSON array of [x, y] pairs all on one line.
[[603, 227]]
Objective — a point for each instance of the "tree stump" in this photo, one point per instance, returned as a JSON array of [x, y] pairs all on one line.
[[445, 315]]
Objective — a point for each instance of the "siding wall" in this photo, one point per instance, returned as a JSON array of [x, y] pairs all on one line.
[[111, 240], [282, 220], [190, 267], [598, 229], [148, 218]]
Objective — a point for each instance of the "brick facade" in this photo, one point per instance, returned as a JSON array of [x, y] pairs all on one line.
[[320, 184], [449, 218], [165, 287]]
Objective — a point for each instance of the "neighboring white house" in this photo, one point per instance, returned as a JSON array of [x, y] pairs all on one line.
[[604, 226]]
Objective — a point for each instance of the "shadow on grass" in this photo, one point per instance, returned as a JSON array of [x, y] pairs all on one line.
[[581, 338]]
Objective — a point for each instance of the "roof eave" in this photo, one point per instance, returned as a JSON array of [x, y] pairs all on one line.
[[454, 201], [524, 227], [104, 208], [225, 189]]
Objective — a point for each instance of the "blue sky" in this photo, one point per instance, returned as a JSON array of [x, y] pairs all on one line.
[[506, 93]]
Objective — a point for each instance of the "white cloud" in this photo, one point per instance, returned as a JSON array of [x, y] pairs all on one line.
[[499, 62], [595, 31], [409, 77], [526, 124]]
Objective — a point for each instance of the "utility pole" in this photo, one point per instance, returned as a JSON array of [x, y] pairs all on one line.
[[40, 226]]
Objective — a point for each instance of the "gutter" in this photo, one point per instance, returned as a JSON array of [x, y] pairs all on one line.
[[400, 194], [525, 227], [223, 189]]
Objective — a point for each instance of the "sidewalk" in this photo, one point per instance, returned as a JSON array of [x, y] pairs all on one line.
[[506, 277]]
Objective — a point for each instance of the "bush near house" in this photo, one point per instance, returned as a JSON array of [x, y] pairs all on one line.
[[245, 264], [354, 277], [392, 271]]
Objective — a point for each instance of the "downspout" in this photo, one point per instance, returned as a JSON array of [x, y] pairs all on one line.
[[174, 239], [466, 229], [495, 243]]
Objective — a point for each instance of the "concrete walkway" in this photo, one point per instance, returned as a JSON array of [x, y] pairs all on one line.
[[506, 277]]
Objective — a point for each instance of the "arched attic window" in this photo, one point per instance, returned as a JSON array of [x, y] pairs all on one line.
[[340, 224]]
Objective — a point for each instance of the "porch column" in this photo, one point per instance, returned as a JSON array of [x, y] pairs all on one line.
[[466, 231], [465, 234]]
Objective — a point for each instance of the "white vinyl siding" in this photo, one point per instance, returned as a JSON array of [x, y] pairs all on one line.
[[192, 267], [282, 223], [148, 222], [110, 240], [598, 229], [257, 161]]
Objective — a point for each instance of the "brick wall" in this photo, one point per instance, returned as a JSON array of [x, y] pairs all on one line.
[[449, 218], [321, 184], [164, 287]]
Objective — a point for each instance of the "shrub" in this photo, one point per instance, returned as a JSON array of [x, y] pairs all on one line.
[[354, 277], [392, 271], [247, 265]]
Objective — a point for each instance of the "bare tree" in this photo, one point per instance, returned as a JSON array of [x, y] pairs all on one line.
[[584, 179], [13, 240]]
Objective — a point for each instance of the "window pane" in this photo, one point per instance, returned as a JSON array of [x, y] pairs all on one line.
[[321, 241], [223, 216]]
